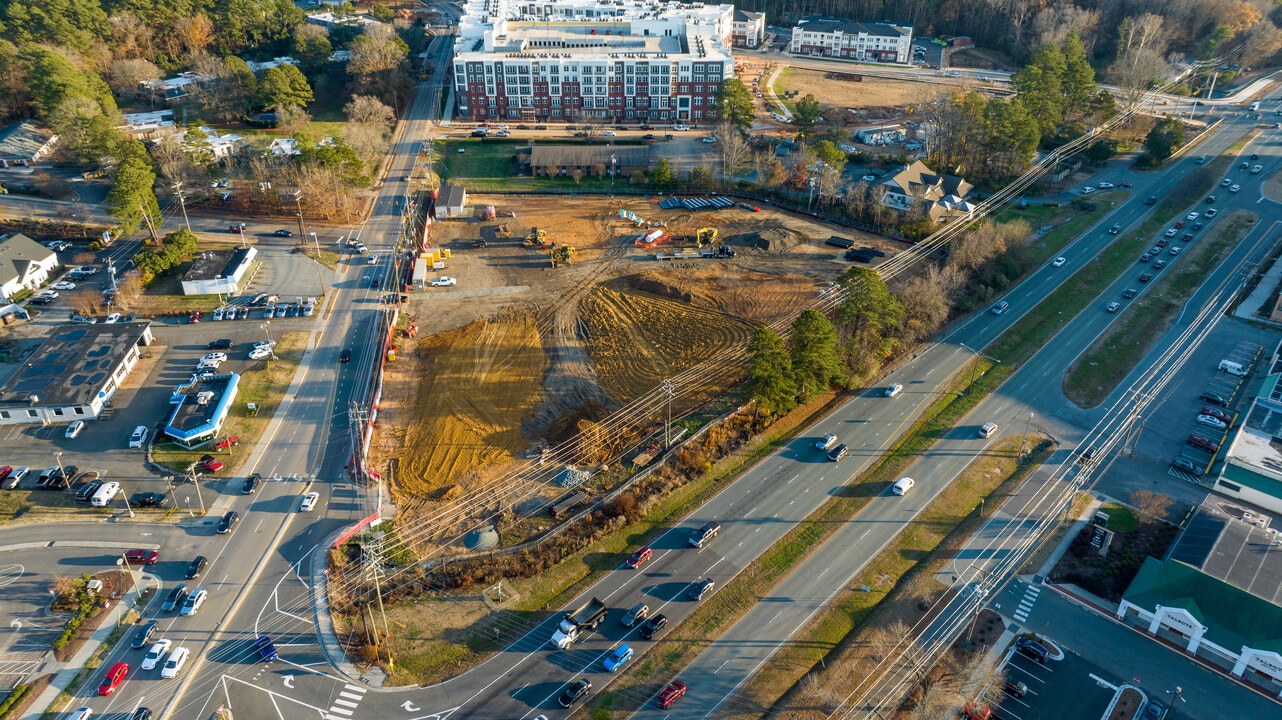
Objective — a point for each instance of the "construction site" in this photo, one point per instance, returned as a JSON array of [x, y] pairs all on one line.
[[567, 308]]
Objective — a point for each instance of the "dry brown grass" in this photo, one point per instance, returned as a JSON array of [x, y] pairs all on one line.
[[871, 92]]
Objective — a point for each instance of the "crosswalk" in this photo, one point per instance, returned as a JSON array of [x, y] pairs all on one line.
[[345, 704], [1026, 602]]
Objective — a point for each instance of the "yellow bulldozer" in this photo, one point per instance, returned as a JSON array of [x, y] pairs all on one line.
[[561, 255], [705, 237], [534, 238]]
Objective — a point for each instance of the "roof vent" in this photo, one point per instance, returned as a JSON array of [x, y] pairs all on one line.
[[33, 399], [204, 397]]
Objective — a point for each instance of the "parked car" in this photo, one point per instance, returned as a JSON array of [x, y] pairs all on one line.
[[1032, 649], [74, 429], [148, 499], [1216, 412], [1212, 422], [1202, 442], [210, 463], [1182, 463], [226, 442], [87, 491], [138, 437]]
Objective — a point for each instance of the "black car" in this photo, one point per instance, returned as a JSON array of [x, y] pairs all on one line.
[[197, 565], [148, 499], [141, 713], [376, 283], [1129, 293], [522, 127], [651, 627], [221, 344], [1215, 399], [1145, 277], [1032, 649], [345, 356], [1015, 689], [1183, 463], [648, 136], [251, 484], [1151, 201], [1255, 156], [837, 453], [540, 127], [228, 522], [701, 589], [283, 233], [143, 635], [576, 690], [85, 493], [174, 599]]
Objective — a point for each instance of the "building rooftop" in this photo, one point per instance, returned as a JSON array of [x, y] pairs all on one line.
[[217, 263], [144, 120], [452, 195], [199, 403], [72, 365], [1234, 544], [23, 140], [17, 253], [819, 24]]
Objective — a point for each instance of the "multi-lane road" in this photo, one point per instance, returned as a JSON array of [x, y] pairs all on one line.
[[260, 580]]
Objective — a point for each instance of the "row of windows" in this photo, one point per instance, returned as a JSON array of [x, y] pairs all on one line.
[[58, 412], [571, 113]]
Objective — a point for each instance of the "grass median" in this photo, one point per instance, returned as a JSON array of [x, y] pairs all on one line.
[[1115, 353]]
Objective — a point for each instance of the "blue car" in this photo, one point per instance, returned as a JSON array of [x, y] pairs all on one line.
[[618, 657], [266, 650]]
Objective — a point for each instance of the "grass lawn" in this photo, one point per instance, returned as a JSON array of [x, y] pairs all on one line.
[[1129, 338], [1120, 517], [488, 165], [264, 387]]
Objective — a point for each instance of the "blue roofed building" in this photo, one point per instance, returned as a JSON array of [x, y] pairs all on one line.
[[201, 407]]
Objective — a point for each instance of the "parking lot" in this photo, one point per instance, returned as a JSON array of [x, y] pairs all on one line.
[[1063, 689]]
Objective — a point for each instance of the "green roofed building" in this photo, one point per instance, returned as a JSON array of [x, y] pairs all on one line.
[[1208, 618]]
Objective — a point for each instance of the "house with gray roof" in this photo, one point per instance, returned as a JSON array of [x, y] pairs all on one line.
[[24, 264], [24, 144], [940, 196]]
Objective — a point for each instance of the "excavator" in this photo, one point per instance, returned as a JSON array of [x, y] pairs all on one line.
[[534, 238], [705, 237], [561, 255]]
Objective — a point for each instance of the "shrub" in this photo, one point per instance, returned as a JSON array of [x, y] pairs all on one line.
[[14, 698]]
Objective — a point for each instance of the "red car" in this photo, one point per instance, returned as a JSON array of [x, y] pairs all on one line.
[[4, 471], [142, 557], [210, 463], [1206, 410], [974, 711], [227, 442], [639, 557], [114, 677], [671, 694], [1179, 225]]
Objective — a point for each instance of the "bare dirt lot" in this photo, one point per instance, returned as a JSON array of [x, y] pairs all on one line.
[[517, 351], [868, 93]]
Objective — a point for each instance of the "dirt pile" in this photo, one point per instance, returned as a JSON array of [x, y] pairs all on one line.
[[636, 340], [776, 239], [476, 383]]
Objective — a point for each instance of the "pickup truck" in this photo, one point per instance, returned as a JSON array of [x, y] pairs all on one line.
[[585, 618]]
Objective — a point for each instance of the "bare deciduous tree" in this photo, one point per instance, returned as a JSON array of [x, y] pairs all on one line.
[[371, 110], [132, 37], [291, 118], [124, 76], [1135, 71], [736, 153], [1151, 504]]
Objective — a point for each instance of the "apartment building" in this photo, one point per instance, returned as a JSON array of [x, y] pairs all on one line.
[[591, 61], [850, 40]]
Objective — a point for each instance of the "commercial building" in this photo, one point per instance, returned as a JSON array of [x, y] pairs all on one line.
[[24, 264], [218, 271], [1218, 594], [201, 407], [749, 29], [591, 60], [1252, 467], [74, 374], [850, 40], [24, 144]]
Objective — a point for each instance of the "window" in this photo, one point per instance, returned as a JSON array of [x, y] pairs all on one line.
[[57, 411], [31, 413], [1229, 486], [79, 410], [698, 101], [4, 414]]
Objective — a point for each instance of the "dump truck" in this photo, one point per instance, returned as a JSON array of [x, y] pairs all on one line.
[[575, 623]]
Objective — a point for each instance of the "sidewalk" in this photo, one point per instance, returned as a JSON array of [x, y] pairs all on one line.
[[67, 671], [1246, 309]]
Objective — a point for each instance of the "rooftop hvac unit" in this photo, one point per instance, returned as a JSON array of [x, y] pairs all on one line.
[[204, 397]]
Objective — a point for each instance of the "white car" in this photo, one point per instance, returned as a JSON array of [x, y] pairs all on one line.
[[138, 437], [192, 606], [309, 502], [709, 140], [1192, 216], [1106, 186], [64, 285], [74, 429], [260, 353], [373, 260], [826, 442], [155, 654], [607, 133], [894, 389], [214, 357], [1057, 262], [219, 312], [1172, 232], [112, 319], [902, 486], [360, 248], [84, 713], [264, 344], [1226, 182], [1235, 188], [444, 282], [175, 663], [1211, 422], [1212, 213], [1088, 190], [680, 128]]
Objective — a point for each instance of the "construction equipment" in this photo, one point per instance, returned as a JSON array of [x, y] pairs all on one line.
[[704, 237], [534, 238], [561, 255]]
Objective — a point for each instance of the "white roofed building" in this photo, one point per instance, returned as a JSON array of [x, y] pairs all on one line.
[[591, 60], [851, 40]]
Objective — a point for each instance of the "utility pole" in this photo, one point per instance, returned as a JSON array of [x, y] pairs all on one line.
[[669, 390], [298, 200], [182, 202], [1024, 440], [150, 227]]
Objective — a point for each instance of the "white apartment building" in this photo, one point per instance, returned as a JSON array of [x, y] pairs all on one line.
[[851, 40], [591, 60]]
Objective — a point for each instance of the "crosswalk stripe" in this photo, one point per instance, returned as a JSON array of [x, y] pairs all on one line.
[[344, 711], [350, 696], [356, 689], [345, 703]]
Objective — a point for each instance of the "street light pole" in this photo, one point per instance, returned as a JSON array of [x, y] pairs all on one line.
[[124, 562], [58, 457], [613, 169], [271, 345], [1023, 441]]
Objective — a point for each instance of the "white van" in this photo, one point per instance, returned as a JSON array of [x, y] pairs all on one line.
[[105, 494], [1232, 368], [1254, 106]]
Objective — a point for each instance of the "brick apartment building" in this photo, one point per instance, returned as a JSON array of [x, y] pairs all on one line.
[[591, 61], [851, 40]]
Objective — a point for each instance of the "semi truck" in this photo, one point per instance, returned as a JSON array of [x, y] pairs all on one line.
[[577, 622]]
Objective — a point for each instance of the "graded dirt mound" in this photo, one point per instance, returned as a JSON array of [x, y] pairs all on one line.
[[776, 239], [658, 287], [477, 383], [636, 340]]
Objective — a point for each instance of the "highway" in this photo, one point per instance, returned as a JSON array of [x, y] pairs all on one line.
[[259, 579]]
